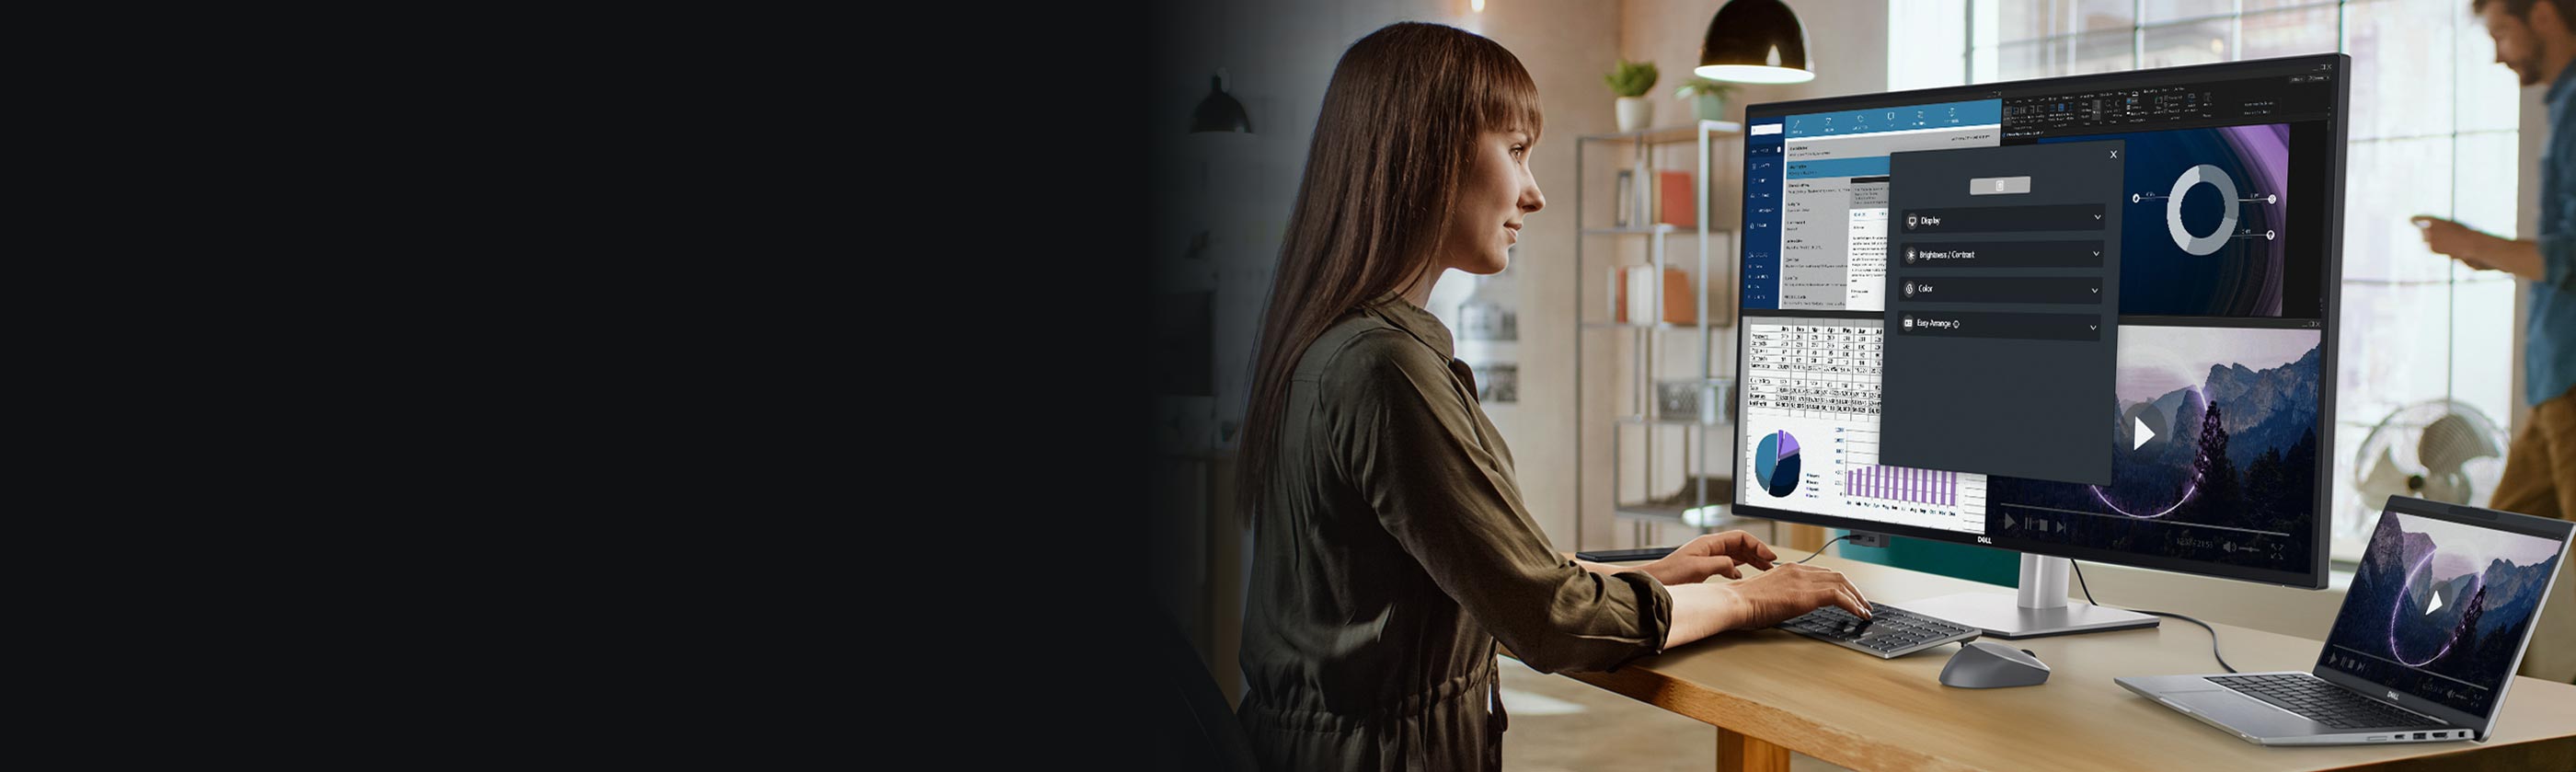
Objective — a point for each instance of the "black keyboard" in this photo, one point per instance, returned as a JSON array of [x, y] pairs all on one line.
[[1891, 632], [1626, 555], [2322, 702]]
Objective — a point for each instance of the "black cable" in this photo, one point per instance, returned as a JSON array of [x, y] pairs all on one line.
[[1821, 549], [2213, 632]]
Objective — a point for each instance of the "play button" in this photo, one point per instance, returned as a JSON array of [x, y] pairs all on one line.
[[2437, 604], [2144, 425]]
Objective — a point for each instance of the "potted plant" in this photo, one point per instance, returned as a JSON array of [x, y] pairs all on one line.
[[1631, 81], [1708, 95]]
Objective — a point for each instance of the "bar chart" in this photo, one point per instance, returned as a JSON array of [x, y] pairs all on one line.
[[1893, 483]]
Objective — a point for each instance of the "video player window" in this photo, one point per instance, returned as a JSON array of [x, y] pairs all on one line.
[[2214, 426], [2439, 609]]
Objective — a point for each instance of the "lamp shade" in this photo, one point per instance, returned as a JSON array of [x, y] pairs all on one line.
[[1755, 41], [1219, 111]]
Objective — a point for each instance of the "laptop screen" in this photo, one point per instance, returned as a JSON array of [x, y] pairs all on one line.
[[2439, 609]]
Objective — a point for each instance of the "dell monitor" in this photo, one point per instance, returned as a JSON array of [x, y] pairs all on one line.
[[2085, 318]]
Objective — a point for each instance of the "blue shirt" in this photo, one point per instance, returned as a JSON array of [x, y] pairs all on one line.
[[2549, 339]]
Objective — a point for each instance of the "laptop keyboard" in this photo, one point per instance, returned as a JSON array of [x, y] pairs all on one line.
[[2319, 701], [1890, 632]]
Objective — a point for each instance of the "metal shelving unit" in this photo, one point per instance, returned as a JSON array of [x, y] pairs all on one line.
[[1703, 497]]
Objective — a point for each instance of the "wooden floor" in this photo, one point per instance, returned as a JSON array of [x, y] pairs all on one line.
[[1560, 724]]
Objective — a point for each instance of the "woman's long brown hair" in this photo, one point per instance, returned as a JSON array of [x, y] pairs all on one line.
[[1399, 127]]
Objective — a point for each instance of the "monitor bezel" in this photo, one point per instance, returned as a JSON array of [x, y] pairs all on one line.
[[2456, 514], [2314, 578]]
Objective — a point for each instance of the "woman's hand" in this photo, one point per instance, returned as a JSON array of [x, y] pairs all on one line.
[[1702, 610], [1716, 554], [1790, 590]]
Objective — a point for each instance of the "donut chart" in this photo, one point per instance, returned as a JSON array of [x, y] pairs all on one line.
[[2182, 236]]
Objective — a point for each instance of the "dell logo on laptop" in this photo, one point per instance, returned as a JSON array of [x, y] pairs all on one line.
[[2392, 695]]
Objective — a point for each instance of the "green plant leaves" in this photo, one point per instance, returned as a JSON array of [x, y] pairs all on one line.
[[1632, 79]]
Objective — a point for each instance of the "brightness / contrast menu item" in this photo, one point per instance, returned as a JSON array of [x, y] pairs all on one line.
[[2002, 309]]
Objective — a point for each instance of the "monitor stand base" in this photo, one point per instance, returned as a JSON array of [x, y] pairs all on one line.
[[2041, 608]]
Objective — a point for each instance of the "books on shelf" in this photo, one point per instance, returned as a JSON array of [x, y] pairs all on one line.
[[1674, 204], [1632, 293]]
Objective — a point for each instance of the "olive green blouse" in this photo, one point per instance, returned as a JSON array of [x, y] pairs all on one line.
[[1392, 550]]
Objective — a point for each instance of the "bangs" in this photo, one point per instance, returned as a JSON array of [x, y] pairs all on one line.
[[1509, 98]]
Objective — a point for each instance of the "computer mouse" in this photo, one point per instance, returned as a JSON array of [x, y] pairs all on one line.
[[1989, 665]]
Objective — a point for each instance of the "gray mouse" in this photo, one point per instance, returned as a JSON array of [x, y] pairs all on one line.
[[1988, 665]]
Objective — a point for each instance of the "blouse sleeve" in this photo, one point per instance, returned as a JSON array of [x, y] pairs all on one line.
[[1405, 437]]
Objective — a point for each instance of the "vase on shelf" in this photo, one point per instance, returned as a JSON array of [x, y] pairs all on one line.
[[1710, 107], [1635, 113]]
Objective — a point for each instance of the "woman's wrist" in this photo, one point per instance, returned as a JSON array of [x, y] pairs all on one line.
[[1702, 610], [1738, 608], [1728, 604]]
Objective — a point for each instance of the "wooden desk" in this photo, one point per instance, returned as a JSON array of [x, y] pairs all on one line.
[[1769, 692]]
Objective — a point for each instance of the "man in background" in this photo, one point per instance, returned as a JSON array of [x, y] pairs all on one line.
[[2533, 37]]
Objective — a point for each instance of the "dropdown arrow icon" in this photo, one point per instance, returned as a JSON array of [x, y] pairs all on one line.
[[2097, 253]]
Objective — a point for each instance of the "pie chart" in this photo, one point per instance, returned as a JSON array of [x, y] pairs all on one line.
[[1775, 463]]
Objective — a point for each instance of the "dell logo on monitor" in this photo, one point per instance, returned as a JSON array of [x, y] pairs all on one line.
[[1985, 540]]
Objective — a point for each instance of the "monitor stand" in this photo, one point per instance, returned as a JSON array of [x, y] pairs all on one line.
[[2041, 609]]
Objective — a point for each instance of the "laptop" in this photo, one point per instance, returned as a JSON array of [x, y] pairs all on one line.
[[2428, 639]]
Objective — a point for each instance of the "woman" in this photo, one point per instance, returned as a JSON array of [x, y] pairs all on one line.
[[1392, 548]]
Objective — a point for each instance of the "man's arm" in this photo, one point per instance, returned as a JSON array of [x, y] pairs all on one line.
[[2523, 259], [2520, 258]]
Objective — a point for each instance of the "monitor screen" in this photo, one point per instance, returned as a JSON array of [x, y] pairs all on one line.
[[2439, 609], [2088, 317]]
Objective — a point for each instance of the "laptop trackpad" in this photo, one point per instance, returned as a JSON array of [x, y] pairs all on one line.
[[2245, 714]]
